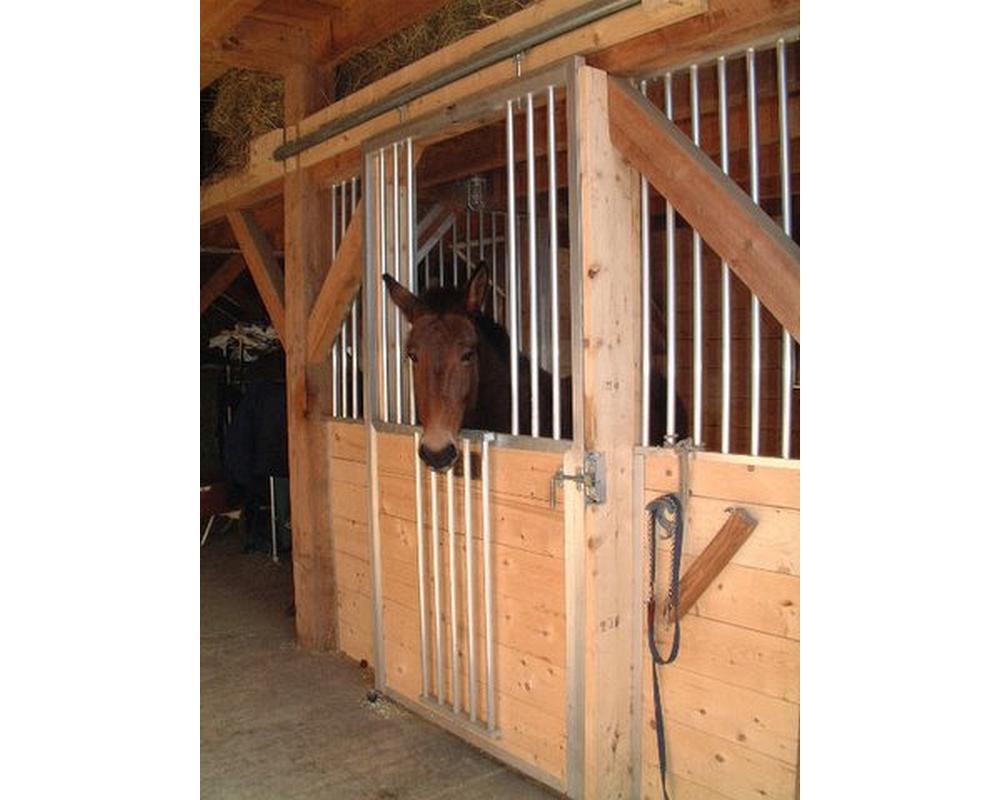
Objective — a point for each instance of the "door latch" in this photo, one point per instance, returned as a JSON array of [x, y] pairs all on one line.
[[592, 479]]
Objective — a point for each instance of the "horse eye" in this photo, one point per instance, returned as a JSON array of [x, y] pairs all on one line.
[[412, 356], [467, 356]]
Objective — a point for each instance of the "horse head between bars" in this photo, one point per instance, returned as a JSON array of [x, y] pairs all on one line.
[[448, 353]]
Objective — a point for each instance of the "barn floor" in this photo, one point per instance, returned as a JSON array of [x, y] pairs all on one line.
[[278, 722]]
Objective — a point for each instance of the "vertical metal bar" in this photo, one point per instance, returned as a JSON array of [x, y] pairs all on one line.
[[343, 365], [482, 237], [532, 264], [512, 316], [491, 714], [333, 220], [554, 267], [421, 569], [786, 220], [697, 279], [470, 579], [468, 243], [343, 210], [493, 261], [754, 301], [646, 355], [383, 265], [453, 591], [411, 215], [335, 373], [354, 358], [441, 261], [397, 315], [454, 252], [436, 569], [274, 522], [671, 280], [727, 356]]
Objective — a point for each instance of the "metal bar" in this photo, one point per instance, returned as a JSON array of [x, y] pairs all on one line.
[[274, 522], [532, 263], [333, 219], [491, 713], [397, 315], [646, 354], [453, 591], [727, 335], [671, 280], [482, 237], [454, 253], [436, 569], [468, 243], [493, 261], [494, 54], [441, 262], [697, 279], [421, 569], [335, 371], [354, 320], [383, 345], [343, 210], [512, 317], [411, 204], [470, 579], [343, 365], [786, 221], [554, 266], [754, 301]]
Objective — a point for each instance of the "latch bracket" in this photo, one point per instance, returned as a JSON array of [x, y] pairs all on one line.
[[593, 479]]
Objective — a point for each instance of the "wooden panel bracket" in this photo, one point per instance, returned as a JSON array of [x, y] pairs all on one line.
[[259, 255], [713, 559], [341, 284], [759, 252]]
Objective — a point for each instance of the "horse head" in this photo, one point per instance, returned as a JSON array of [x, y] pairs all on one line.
[[443, 347]]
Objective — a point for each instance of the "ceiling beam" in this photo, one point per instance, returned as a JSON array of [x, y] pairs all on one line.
[[264, 269], [758, 251], [220, 280]]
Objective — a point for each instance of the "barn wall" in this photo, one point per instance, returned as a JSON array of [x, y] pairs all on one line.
[[732, 697], [348, 478], [529, 632]]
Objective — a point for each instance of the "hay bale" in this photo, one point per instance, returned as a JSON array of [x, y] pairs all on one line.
[[247, 104]]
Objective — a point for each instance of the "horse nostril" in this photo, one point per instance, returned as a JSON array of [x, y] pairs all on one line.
[[439, 459]]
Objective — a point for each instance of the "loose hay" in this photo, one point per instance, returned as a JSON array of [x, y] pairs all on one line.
[[247, 105]]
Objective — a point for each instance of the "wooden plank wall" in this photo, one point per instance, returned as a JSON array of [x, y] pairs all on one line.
[[530, 630], [732, 697], [348, 478]]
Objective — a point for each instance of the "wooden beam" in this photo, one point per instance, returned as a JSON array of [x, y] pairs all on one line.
[[220, 280], [358, 26], [713, 559], [264, 269], [341, 285], [609, 243], [758, 251], [307, 255], [219, 17]]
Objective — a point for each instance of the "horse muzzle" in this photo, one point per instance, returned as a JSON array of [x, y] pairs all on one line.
[[439, 460]]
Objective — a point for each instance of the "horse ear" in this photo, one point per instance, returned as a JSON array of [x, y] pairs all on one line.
[[401, 296], [475, 289]]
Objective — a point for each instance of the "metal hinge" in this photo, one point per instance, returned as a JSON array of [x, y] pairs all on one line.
[[592, 479]]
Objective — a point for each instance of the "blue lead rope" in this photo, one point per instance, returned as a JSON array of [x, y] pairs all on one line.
[[666, 512]]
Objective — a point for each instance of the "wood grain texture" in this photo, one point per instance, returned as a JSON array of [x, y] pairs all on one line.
[[221, 280], [263, 266]]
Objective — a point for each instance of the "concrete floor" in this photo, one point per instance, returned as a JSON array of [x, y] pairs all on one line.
[[281, 723]]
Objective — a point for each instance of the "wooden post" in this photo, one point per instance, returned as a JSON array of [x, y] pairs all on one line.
[[609, 228], [307, 255]]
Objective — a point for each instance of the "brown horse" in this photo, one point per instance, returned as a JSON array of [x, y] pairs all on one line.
[[461, 371]]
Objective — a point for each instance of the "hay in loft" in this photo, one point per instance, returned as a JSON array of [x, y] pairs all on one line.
[[247, 104]]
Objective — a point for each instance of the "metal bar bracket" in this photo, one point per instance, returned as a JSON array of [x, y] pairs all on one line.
[[593, 480]]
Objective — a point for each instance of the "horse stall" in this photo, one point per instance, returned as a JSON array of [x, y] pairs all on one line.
[[601, 230]]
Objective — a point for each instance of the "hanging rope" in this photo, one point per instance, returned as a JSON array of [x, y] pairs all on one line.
[[667, 512]]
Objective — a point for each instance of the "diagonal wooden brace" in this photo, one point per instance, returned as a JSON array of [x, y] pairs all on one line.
[[267, 276], [713, 559]]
